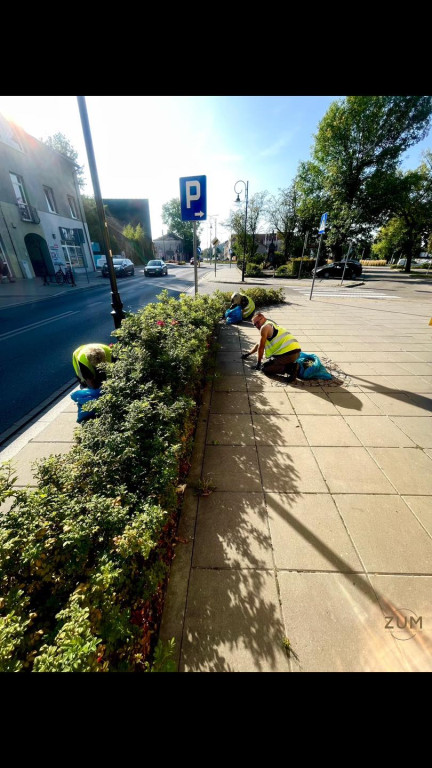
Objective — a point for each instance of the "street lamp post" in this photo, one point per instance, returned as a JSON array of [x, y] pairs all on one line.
[[117, 311], [246, 184]]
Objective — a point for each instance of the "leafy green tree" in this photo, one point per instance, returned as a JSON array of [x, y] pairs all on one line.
[[92, 218], [171, 216], [282, 212], [59, 142], [388, 240], [408, 231], [137, 237], [357, 147]]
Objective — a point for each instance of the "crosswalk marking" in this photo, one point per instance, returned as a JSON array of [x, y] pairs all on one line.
[[350, 295]]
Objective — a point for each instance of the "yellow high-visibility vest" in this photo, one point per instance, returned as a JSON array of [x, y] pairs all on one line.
[[281, 344], [80, 356]]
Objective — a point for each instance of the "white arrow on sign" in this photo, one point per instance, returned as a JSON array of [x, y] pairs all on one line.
[[200, 213]]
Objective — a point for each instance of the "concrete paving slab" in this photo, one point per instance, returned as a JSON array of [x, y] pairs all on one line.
[[420, 369], [335, 624], [277, 430], [233, 468], [407, 608], [378, 383], [391, 369], [386, 534], [352, 403], [230, 429], [32, 452], [270, 402], [290, 469], [351, 470], [232, 367], [401, 404], [229, 384], [378, 431], [409, 469], [327, 430], [227, 611], [309, 534], [232, 532], [413, 383], [61, 430], [318, 403], [425, 357], [421, 506], [230, 402]]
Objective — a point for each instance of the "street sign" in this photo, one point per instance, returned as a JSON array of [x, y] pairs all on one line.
[[215, 241], [193, 198], [198, 250], [323, 224]]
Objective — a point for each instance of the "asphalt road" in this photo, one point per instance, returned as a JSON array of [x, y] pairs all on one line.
[[37, 339]]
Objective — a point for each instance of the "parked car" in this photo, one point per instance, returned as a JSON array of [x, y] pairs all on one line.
[[336, 269], [122, 267], [414, 262], [155, 267]]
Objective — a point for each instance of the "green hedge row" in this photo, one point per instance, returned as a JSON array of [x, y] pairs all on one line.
[[85, 554]]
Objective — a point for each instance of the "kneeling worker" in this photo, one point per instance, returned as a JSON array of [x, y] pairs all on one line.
[[85, 360], [280, 347], [246, 303]]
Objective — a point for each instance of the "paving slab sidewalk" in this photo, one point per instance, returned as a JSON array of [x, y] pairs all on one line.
[[314, 552]]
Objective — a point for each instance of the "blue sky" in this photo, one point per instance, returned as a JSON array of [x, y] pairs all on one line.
[[144, 144]]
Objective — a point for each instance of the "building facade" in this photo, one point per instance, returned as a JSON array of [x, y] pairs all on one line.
[[42, 222], [169, 247]]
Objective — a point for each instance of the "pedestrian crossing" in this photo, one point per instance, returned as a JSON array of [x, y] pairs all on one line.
[[336, 292]]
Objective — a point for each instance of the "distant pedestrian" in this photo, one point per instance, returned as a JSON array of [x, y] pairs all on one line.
[[280, 347], [5, 271]]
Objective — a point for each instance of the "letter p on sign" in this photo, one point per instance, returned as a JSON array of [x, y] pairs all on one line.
[[192, 185]]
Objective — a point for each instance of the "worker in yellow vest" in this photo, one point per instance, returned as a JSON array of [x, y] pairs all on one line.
[[246, 303], [85, 360], [280, 347]]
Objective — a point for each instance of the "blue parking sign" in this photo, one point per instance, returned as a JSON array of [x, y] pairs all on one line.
[[193, 198]]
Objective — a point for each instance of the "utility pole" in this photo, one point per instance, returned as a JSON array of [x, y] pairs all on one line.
[[117, 311]]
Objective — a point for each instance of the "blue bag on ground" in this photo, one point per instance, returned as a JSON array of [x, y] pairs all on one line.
[[234, 315], [311, 367], [82, 396]]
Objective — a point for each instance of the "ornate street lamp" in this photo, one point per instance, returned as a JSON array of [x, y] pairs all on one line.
[[246, 184]]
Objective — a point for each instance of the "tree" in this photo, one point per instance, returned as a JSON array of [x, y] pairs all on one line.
[[256, 212], [138, 240], [408, 231], [358, 144], [92, 218], [60, 143], [284, 217], [171, 216]]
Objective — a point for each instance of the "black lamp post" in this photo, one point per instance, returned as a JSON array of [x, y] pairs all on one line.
[[117, 306], [246, 184]]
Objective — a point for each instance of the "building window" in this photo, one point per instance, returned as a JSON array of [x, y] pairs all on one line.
[[72, 207], [49, 197], [18, 185]]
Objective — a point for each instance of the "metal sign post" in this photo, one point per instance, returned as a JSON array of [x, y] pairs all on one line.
[[193, 205], [195, 257], [321, 231], [304, 248], [345, 265]]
